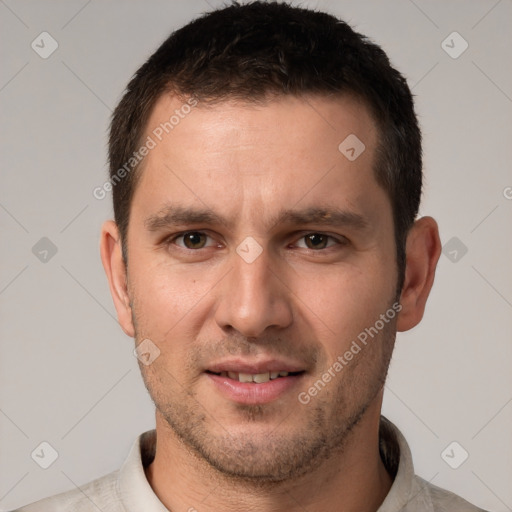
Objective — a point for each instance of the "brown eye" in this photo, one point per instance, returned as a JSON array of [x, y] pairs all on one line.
[[194, 240], [316, 241]]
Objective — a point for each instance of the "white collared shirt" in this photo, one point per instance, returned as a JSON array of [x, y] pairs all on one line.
[[128, 490]]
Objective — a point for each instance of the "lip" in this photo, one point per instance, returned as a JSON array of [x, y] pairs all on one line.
[[267, 365], [253, 393]]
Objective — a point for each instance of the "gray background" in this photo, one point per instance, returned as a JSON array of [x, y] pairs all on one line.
[[68, 375]]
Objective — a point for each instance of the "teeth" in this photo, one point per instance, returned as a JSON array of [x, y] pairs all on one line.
[[258, 378], [261, 377]]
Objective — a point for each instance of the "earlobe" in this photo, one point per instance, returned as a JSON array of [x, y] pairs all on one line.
[[115, 269], [423, 249]]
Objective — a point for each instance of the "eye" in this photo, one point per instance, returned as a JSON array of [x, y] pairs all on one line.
[[191, 240], [317, 241]]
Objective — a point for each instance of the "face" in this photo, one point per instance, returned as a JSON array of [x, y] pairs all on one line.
[[257, 254]]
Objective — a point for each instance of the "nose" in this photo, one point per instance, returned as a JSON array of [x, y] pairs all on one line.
[[252, 298]]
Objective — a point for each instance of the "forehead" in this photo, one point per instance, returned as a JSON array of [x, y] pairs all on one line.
[[313, 116], [240, 157]]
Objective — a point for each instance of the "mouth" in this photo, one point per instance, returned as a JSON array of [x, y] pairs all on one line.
[[256, 378], [252, 383]]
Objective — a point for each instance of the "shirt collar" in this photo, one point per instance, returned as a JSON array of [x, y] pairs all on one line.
[[132, 485], [407, 492]]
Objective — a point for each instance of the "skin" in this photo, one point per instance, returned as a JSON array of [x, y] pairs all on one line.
[[296, 301]]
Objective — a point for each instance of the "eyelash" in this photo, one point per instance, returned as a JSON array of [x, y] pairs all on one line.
[[181, 235], [341, 241]]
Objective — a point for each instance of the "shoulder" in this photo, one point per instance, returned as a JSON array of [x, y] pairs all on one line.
[[409, 492], [442, 500], [100, 494]]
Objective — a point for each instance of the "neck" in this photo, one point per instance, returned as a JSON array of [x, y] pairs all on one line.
[[352, 480]]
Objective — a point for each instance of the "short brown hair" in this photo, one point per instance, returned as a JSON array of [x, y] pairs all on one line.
[[259, 49]]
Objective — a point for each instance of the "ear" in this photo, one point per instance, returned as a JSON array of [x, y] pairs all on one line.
[[423, 249], [115, 268]]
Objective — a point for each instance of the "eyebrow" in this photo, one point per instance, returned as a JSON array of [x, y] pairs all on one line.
[[174, 215], [171, 215], [322, 217]]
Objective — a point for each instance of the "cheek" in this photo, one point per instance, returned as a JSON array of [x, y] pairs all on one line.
[[167, 298], [344, 302]]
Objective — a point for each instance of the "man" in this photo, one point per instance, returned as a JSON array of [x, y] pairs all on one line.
[[265, 165]]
